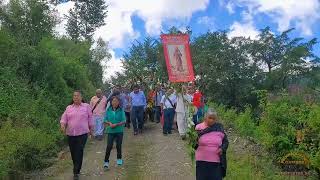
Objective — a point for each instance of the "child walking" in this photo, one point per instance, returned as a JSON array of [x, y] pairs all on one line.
[[114, 120]]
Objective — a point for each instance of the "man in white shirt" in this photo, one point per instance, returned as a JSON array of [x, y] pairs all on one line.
[[168, 103]]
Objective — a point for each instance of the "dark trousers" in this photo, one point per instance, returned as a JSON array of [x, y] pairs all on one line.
[[76, 145], [157, 113], [114, 137], [137, 113], [149, 114], [127, 119], [208, 171], [168, 120]]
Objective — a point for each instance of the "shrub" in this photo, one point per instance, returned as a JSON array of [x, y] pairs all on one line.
[[25, 148], [244, 123]]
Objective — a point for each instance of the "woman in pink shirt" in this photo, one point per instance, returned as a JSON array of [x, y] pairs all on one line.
[[76, 122], [211, 149]]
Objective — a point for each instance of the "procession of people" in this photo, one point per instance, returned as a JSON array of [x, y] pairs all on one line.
[[108, 115]]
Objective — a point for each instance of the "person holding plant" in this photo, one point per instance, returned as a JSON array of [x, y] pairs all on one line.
[[211, 149], [114, 120], [76, 122]]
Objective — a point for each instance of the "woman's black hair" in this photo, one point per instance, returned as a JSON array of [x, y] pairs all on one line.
[[136, 86], [115, 97], [78, 91]]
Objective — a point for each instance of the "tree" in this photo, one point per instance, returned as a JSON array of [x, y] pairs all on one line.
[[226, 73], [99, 58], [143, 63], [73, 23], [85, 18], [100, 52], [29, 20], [284, 57]]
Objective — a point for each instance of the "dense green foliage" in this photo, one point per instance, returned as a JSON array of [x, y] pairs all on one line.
[[38, 73], [280, 121], [85, 18], [251, 80]]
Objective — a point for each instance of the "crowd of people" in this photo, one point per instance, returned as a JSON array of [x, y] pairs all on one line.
[[110, 114]]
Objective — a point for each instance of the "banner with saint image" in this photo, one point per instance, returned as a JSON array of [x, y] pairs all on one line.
[[178, 59]]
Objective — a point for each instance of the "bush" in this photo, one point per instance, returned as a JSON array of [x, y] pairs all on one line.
[[25, 148], [244, 123], [279, 123], [36, 84]]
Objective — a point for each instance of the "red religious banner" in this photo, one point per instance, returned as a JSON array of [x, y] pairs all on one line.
[[178, 59]]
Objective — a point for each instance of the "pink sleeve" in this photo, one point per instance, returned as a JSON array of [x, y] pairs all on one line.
[[64, 118], [90, 118], [200, 126]]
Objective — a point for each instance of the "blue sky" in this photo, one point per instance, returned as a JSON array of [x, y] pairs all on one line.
[[129, 20], [217, 17]]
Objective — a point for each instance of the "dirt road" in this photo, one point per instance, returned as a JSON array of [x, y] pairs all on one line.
[[147, 156]]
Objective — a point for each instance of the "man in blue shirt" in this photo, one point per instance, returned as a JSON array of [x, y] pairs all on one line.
[[138, 104]]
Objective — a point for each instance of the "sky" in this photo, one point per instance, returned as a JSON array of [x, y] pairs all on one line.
[[130, 20]]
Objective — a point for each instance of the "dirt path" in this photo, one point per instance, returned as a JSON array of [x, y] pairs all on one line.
[[147, 156]]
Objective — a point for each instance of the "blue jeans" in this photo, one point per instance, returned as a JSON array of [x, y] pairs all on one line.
[[168, 120], [137, 117], [157, 113]]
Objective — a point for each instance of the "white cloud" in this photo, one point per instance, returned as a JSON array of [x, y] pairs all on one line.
[[112, 66], [119, 28], [230, 7], [246, 29], [119, 31], [301, 14], [63, 10]]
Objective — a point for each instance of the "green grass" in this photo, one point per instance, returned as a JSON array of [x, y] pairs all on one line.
[[245, 166]]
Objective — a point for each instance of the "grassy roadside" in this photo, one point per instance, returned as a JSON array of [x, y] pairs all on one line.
[[137, 159], [245, 166], [247, 161]]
